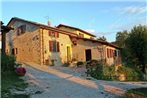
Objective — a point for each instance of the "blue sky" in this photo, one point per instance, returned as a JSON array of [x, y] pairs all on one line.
[[102, 18]]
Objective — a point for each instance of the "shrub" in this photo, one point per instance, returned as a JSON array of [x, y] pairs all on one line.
[[66, 64], [7, 62], [53, 62], [130, 73], [79, 63], [109, 72], [99, 71]]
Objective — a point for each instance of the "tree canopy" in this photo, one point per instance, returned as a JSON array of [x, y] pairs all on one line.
[[102, 38], [134, 45]]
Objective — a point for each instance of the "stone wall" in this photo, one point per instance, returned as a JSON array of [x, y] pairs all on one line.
[[82, 45], [26, 45], [58, 57]]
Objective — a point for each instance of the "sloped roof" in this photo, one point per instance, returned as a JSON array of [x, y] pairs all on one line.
[[61, 31], [98, 41], [40, 25], [63, 25]]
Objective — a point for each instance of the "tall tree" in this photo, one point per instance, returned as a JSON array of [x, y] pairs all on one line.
[[121, 38], [137, 46], [102, 38]]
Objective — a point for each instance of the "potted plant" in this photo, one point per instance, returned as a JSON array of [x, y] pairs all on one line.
[[21, 71]]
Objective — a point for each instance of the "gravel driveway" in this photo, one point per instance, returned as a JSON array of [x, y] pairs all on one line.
[[63, 82]]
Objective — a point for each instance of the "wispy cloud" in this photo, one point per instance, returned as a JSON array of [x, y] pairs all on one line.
[[90, 30], [129, 16], [134, 10]]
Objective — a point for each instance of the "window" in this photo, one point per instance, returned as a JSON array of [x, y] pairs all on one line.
[[54, 46], [81, 35], [21, 29], [53, 34], [110, 53], [115, 54]]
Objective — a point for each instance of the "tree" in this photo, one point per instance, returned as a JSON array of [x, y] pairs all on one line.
[[137, 46], [121, 38], [102, 38], [121, 42]]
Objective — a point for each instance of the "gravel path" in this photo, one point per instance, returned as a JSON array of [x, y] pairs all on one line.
[[62, 82]]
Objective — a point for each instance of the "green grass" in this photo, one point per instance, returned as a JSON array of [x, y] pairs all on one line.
[[10, 80], [138, 91]]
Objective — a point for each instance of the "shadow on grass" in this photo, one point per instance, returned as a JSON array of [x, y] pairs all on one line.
[[10, 80]]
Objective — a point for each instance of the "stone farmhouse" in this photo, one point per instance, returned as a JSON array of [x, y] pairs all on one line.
[[44, 45]]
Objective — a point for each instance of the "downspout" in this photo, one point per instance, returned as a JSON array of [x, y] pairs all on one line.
[[41, 47]]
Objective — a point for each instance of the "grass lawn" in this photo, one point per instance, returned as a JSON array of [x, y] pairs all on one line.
[[138, 91], [10, 80]]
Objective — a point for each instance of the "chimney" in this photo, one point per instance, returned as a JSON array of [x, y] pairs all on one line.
[[49, 23]]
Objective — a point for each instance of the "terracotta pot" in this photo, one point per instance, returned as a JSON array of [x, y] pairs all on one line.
[[21, 71]]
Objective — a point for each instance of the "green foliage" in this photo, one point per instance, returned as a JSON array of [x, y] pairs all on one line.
[[109, 72], [130, 73], [7, 62], [137, 46], [142, 92], [103, 38], [134, 46], [10, 80], [121, 38], [53, 63], [66, 64], [100, 71], [80, 63]]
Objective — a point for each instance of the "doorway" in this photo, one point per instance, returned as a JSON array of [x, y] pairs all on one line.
[[68, 54], [88, 54]]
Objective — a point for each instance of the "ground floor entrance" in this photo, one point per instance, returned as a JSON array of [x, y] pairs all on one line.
[[88, 54]]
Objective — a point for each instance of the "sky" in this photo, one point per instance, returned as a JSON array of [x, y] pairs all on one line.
[[99, 17]]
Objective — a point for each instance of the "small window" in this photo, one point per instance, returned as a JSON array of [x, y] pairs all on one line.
[[53, 34], [21, 29], [54, 46], [81, 35]]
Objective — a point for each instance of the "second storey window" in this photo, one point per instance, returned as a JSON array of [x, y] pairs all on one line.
[[54, 46], [53, 34], [81, 35], [21, 29]]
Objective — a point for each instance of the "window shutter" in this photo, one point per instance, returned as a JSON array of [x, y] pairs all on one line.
[[58, 47], [57, 34], [50, 46], [111, 53], [108, 53]]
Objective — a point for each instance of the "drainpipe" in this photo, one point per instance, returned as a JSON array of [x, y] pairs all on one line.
[[41, 47]]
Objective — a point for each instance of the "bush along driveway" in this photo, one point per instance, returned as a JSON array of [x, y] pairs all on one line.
[[12, 82], [64, 82]]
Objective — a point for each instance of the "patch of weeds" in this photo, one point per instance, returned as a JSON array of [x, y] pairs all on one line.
[[142, 92], [10, 80]]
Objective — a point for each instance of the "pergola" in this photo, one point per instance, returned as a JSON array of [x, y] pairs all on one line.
[[4, 30]]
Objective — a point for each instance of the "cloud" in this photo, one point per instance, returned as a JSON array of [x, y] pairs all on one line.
[[90, 30], [128, 17], [134, 10]]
